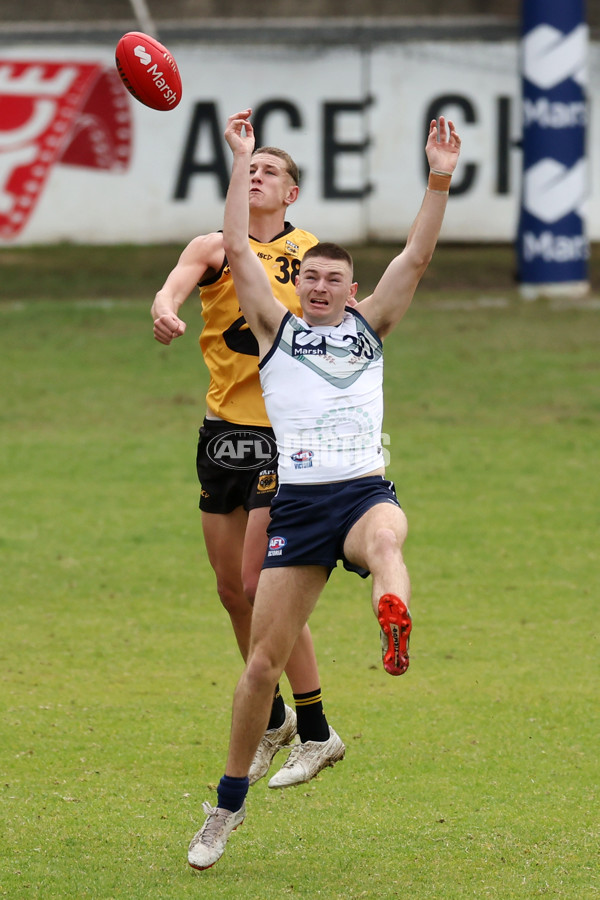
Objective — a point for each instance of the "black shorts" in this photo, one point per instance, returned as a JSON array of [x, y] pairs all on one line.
[[310, 522], [236, 465]]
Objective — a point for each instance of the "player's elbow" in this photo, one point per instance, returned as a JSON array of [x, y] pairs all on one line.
[[228, 244], [419, 258]]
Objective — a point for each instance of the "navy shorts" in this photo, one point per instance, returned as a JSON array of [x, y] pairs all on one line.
[[236, 466], [310, 522]]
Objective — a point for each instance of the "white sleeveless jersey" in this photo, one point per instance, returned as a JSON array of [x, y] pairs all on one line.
[[323, 390]]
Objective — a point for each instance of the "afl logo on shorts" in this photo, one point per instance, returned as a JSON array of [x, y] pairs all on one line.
[[276, 545], [241, 450]]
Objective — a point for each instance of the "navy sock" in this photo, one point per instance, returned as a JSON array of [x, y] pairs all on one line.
[[277, 710], [312, 723], [231, 792]]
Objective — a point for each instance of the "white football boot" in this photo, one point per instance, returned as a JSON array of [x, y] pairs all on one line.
[[272, 741], [306, 760], [208, 844]]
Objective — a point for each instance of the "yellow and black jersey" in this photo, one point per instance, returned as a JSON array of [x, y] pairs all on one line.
[[229, 347]]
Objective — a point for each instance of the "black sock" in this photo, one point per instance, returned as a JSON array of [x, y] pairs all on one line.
[[231, 792], [312, 723], [277, 710]]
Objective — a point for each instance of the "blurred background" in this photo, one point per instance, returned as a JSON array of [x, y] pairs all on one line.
[[348, 89]]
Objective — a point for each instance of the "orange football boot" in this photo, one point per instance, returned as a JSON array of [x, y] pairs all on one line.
[[396, 625]]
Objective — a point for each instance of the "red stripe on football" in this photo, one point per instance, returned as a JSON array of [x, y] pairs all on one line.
[[148, 71]]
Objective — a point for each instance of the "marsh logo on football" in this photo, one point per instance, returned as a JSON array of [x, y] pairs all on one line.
[[143, 55], [242, 450], [66, 113]]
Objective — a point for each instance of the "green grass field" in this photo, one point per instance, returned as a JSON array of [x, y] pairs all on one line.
[[474, 776]]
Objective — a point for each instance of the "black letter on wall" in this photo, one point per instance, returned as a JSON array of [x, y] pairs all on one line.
[[262, 112], [333, 148], [204, 115]]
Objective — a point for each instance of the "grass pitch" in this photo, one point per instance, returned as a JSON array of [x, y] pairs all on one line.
[[475, 775]]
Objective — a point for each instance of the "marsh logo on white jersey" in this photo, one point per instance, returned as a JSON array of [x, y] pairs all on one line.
[[550, 57], [307, 343]]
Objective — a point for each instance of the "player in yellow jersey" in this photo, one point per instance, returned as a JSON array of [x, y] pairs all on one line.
[[237, 459]]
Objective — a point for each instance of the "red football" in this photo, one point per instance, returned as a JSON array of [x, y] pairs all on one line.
[[148, 71]]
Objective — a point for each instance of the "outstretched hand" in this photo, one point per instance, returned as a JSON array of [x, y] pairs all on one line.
[[443, 146], [239, 133]]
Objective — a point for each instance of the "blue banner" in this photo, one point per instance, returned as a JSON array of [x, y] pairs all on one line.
[[552, 245]]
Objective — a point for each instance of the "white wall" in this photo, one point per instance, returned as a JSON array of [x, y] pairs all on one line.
[[388, 92]]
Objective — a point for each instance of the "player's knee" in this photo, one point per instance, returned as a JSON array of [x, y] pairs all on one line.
[[261, 671], [386, 544], [233, 598]]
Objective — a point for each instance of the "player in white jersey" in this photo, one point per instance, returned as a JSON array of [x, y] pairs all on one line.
[[322, 380], [332, 430]]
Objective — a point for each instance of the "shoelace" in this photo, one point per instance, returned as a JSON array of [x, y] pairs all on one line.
[[269, 741], [212, 825], [298, 749]]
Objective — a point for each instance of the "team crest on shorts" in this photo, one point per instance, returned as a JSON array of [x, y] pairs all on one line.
[[267, 481]]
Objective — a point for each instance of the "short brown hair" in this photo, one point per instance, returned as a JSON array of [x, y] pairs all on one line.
[[329, 251], [290, 166]]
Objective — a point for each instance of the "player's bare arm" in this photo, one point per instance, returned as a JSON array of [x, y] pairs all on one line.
[[395, 290], [262, 310], [202, 256]]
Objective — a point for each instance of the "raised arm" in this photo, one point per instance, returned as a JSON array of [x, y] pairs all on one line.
[[262, 310], [395, 290]]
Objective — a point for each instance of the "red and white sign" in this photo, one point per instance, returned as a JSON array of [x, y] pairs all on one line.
[[52, 113]]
